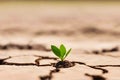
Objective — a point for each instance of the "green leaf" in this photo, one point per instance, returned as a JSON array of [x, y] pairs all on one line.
[[67, 53], [55, 50], [62, 50]]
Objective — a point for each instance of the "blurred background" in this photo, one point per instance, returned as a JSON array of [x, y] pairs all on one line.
[[79, 19]]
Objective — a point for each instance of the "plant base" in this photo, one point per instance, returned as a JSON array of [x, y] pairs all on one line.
[[64, 64]]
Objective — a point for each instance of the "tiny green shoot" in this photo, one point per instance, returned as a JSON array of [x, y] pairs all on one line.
[[60, 52]]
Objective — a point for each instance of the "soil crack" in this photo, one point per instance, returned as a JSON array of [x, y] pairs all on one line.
[[94, 67], [114, 49], [50, 75], [37, 61], [24, 47], [95, 77], [107, 65]]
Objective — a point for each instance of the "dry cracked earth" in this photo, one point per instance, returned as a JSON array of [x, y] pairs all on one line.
[[28, 30], [36, 61]]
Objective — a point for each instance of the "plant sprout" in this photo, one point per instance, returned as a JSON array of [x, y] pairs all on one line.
[[60, 52]]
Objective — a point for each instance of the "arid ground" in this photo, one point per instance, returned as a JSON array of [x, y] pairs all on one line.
[[28, 29]]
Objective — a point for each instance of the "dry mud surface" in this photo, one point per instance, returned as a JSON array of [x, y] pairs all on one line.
[[36, 62], [27, 31]]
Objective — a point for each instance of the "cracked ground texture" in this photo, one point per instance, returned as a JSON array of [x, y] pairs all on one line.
[[27, 31]]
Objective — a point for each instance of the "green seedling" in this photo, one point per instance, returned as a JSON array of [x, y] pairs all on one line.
[[60, 52]]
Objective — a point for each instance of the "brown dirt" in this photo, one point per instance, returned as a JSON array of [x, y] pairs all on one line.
[[64, 64]]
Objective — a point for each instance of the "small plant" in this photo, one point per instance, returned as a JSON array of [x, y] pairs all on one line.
[[60, 52]]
